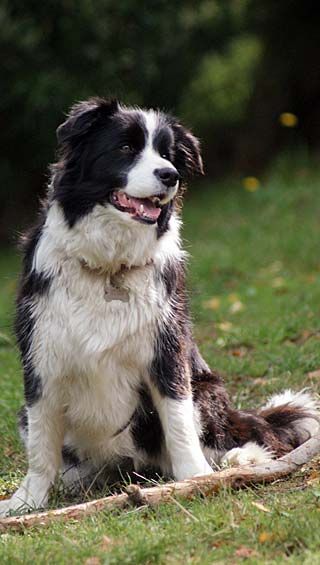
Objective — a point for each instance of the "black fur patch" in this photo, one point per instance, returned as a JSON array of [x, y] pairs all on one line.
[[93, 163], [32, 384], [69, 456], [32, 284], [169, 277], [170, 368], [146, 427], [23, 420], [187, 158], [24, 330], [163, 220]]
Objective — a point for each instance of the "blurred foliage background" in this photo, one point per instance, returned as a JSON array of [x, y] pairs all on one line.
[[244, 74]]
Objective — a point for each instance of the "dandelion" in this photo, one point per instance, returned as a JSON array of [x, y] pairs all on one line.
[[251, 184], [288, 120]]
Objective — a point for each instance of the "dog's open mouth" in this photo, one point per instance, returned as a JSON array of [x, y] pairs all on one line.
[[146, 210]]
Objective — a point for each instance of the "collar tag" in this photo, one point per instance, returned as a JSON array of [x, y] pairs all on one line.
[[116, 293]]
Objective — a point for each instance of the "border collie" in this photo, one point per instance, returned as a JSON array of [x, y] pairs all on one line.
[[113, 378]]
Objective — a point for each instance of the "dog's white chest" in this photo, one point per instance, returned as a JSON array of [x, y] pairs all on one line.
[[100, 350]]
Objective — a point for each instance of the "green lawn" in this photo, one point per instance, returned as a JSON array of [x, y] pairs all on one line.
[[255, 290]]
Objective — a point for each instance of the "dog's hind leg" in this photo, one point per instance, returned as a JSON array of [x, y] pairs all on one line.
[[238, 437]]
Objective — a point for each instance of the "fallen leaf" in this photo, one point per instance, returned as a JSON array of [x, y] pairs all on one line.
[[236, 307], [274, 267], [260, 506], [238, 353], [213, 304], [314, 374], [261, 381], [278, 282], [225, 326], [244, 551], [92, 561], [265, 536], [311, 278], [106, 543], [314, 477]]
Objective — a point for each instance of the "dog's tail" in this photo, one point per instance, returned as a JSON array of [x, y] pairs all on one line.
[[294, 417], [285, 422]]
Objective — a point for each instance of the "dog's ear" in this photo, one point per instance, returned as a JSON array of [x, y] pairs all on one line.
[[83, 116], [188, 159]]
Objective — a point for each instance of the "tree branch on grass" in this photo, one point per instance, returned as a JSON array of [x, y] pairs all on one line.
[[208, 485]]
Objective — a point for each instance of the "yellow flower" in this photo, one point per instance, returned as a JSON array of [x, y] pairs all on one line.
[[288, 120], [251, 184]]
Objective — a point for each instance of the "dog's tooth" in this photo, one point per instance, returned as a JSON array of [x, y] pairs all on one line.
[[141, 208]]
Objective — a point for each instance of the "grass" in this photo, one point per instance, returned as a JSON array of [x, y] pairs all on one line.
[[255, 293]]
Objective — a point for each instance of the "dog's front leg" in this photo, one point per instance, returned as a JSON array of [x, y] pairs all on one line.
[[181, 437], [44, 443]]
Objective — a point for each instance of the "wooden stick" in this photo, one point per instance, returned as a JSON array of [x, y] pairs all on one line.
[[208, 485]]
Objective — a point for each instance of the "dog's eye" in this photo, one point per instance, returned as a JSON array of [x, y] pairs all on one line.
[[127, 148], [165, 156]]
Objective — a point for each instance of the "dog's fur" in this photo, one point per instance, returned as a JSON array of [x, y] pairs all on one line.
[[112, 375]]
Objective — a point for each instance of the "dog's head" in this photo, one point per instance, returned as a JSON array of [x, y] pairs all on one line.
[[129, 159]]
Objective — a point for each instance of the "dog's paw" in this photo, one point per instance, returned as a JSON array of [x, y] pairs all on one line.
[[13, 506], [4, 508], [250, 454], [24, 500]]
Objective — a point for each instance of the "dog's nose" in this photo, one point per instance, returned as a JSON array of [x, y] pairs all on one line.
[[167, 176]]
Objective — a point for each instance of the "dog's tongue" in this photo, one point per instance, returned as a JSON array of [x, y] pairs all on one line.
[[141, 207]]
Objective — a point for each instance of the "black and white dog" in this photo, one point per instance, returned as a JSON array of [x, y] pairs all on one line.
[[111, 372]]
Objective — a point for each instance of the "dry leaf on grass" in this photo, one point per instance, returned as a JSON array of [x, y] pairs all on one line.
[[106, 543], [236, 307], [92, 561], [244, 551], [314, 374], [265, 537], [213, 303], [278, 282], [314, 477], [260, 506], [225, 326], [238, 352]]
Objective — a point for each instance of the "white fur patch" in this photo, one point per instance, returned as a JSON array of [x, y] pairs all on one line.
[[302, 399], [306, 427], [179, 424], [142, 182], [249, 454]]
